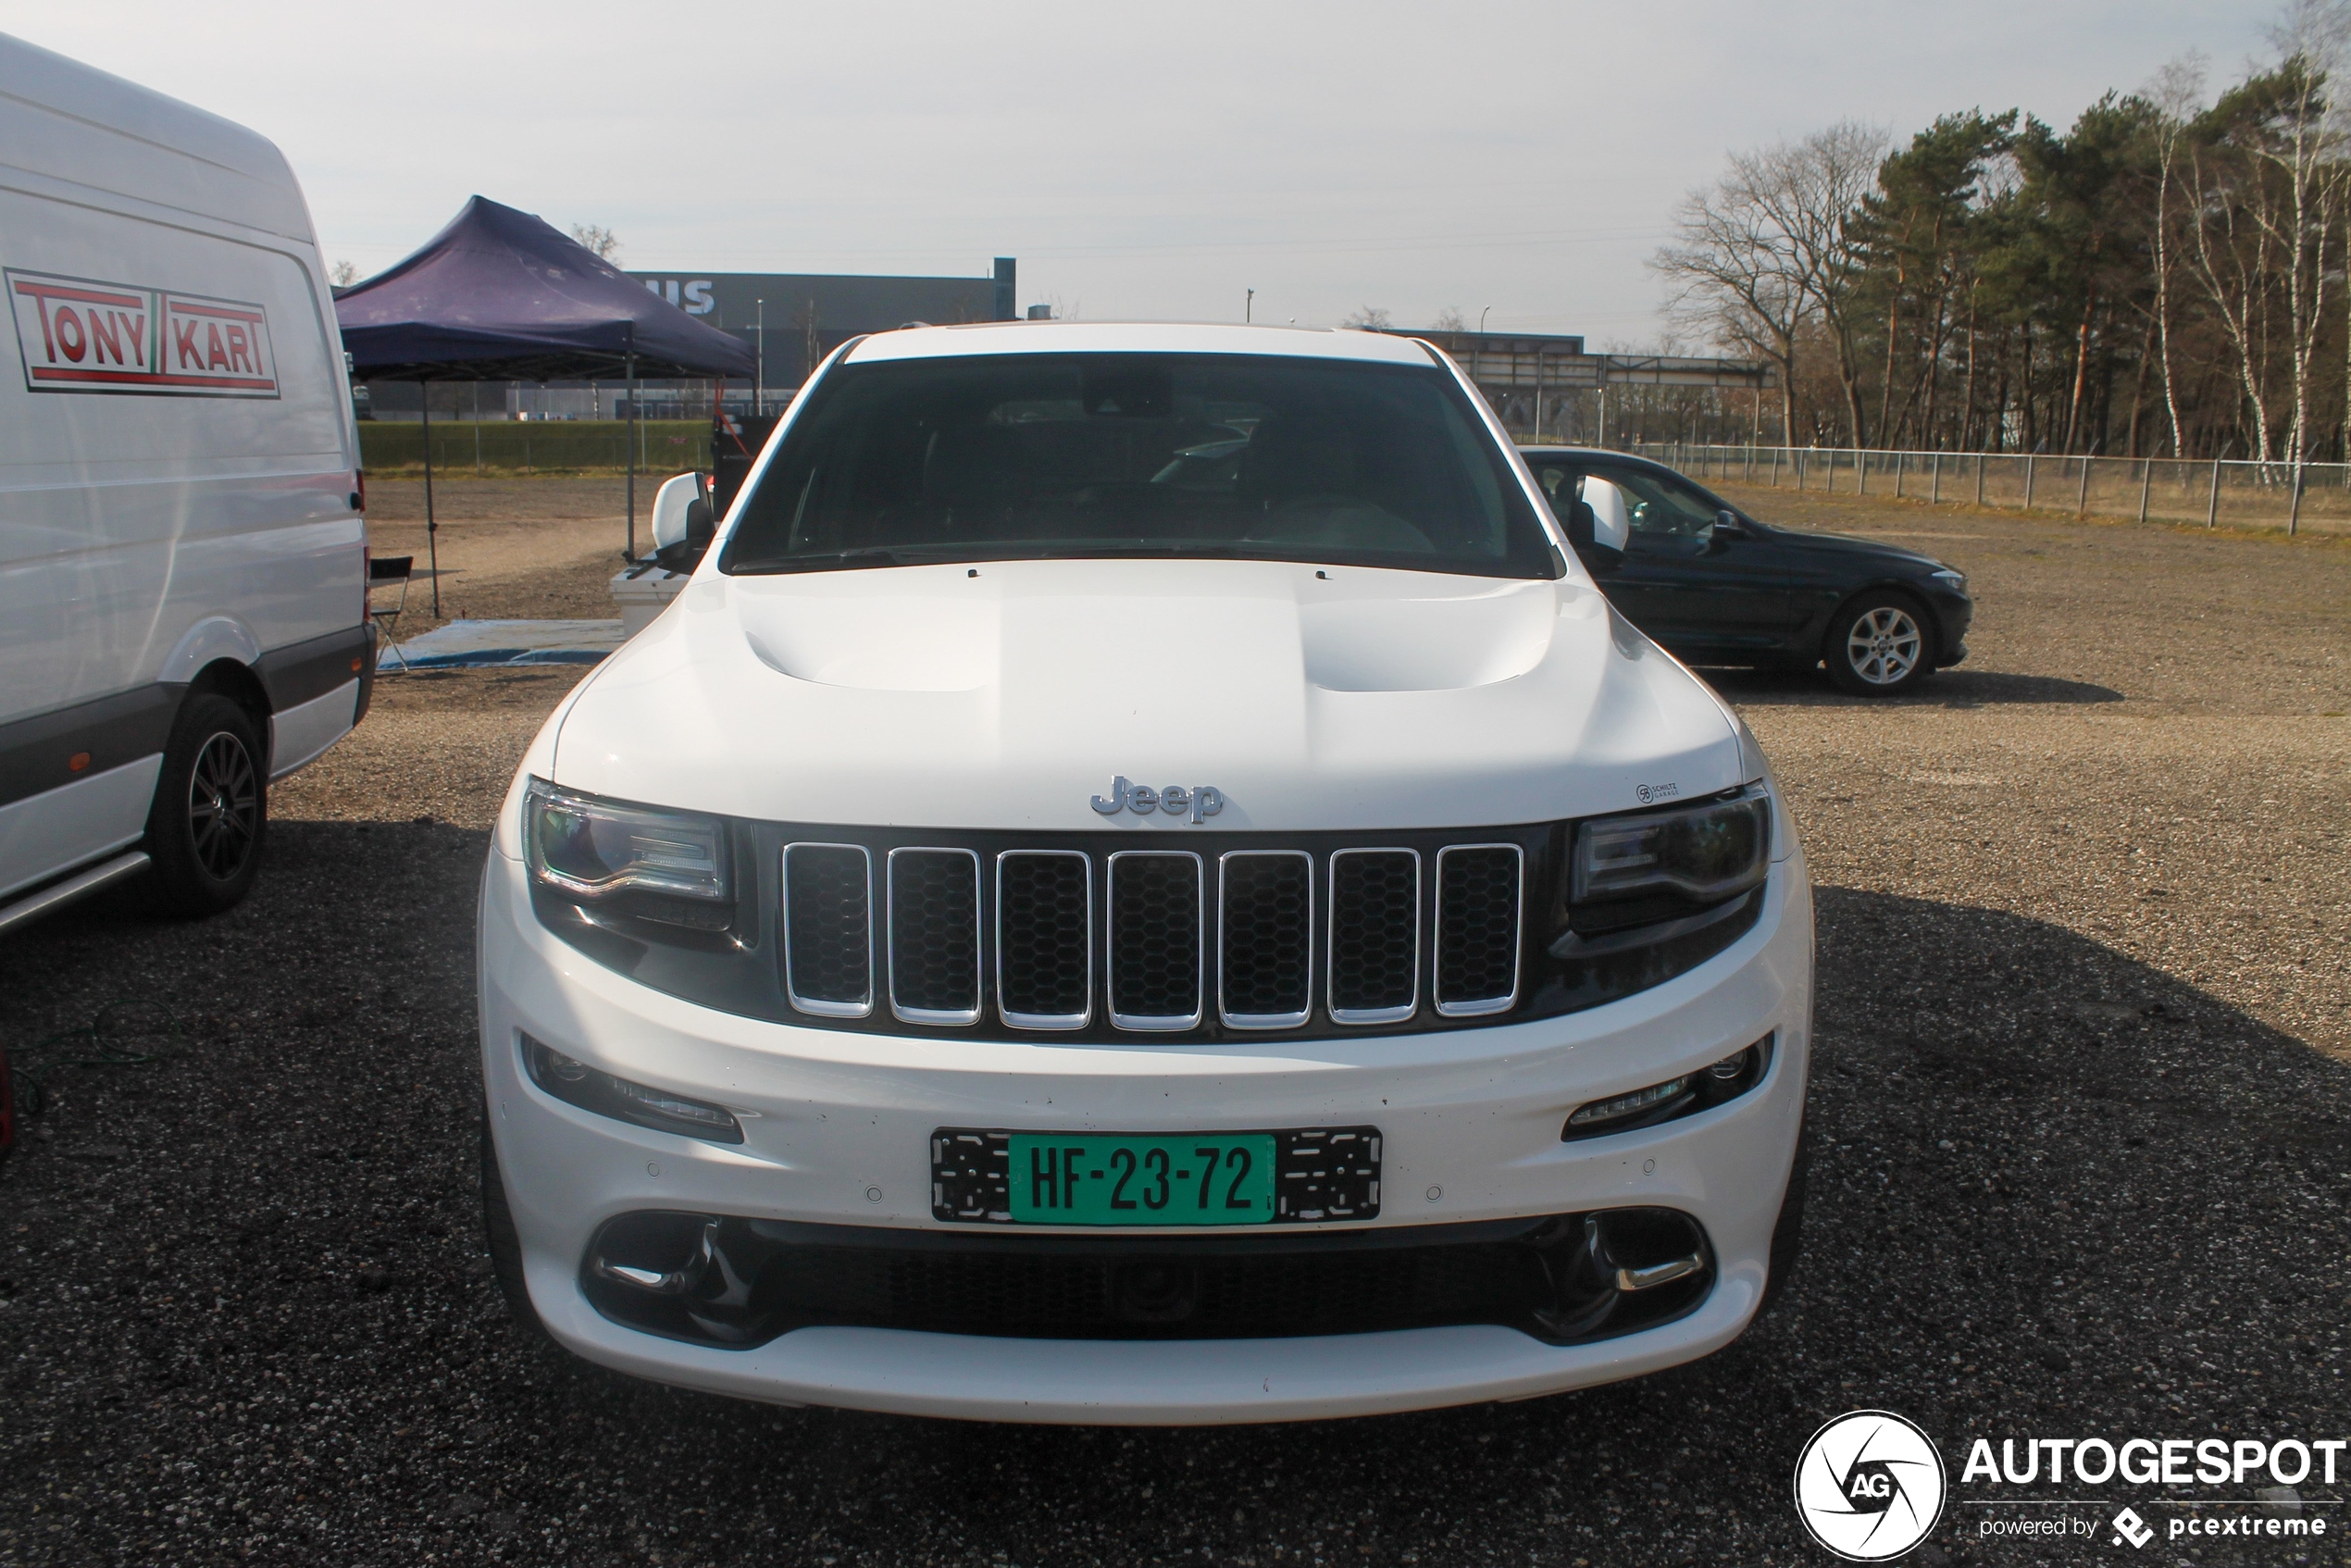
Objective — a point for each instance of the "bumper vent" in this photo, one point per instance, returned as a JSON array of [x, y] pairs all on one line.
[[1477, 916], [732, 1283]]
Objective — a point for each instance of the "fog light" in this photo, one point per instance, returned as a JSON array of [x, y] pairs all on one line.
[[576, 1083], [1710, 1085], [1600, 1112]]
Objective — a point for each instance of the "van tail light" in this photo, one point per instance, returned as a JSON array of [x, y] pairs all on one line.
[[366, 578], [359, 495]]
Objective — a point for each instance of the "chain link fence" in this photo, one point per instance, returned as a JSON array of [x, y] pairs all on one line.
[[520, 446], [2315, 497]]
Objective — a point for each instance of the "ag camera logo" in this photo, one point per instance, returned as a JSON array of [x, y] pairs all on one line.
[[1870, 1486]]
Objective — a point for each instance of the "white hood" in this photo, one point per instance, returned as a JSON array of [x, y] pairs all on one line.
[[931, 696]]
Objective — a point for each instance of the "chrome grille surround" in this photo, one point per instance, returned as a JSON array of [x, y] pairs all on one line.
[[1020, 935], [805, 936], [1454, 868], [936, 975], [1359, 878], [1169, 956], [1236, 866]]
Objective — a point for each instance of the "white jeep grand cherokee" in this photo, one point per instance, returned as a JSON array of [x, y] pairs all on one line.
[[1140, 882]]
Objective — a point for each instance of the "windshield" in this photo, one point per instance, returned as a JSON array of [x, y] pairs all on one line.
[[1026, 456]]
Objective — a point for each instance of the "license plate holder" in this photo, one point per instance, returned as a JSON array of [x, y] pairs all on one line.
[[1319, 1176]]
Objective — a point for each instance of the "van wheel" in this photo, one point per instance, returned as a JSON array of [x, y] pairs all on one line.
[[1880, 645], [506, 1248], [211, 807]]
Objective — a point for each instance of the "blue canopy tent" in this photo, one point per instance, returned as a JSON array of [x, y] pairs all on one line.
[[499, 295]]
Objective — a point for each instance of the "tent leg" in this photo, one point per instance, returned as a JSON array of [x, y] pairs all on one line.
[[432, 528], [629, 554]]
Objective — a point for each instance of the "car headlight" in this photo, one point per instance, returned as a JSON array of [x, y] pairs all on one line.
[[666, 864], [1705, 854], [1955, 582]]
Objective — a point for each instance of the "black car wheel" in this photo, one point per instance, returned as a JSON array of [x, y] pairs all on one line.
[[211, 808], [1880, 645]]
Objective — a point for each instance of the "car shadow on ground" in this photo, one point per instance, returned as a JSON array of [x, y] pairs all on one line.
[[1945, 688], [2055, 1191]]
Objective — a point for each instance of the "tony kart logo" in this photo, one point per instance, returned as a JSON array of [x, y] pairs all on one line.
[[1870, 1486]]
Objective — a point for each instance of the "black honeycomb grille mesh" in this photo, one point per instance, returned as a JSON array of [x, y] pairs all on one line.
[[1042, 919], [1478, 901], [1266, 959], [934, 930], [1375, 921], [829, 938], [1154, 936]]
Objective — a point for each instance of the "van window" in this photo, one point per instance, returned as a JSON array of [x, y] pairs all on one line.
[[1040, 456]]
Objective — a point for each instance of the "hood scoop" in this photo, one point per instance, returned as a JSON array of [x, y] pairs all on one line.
[[879, 642], [1430, 644]]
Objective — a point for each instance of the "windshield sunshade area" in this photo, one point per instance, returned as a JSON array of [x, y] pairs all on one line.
[[1077, 457]]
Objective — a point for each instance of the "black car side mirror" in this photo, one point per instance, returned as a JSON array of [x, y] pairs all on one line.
[[684, 554], [1727, 525], [1581, 531]]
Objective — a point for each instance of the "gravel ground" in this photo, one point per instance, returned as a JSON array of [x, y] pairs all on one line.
[[2084, 1114], [542, 549]]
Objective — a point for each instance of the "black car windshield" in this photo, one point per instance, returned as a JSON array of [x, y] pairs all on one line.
[[1040, 457]]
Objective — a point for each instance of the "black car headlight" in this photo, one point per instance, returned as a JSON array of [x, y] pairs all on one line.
[[1703, 853], [671, 867]]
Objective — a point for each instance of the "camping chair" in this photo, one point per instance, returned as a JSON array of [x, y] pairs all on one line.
[[385, 573]]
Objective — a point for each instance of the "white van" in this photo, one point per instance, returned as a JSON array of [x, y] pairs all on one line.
[[183, 558]]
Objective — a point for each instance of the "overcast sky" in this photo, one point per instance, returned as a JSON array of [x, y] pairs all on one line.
[[1140, 161]]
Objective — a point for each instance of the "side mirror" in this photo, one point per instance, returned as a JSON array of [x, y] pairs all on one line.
[[682, 522], [1582, 533], [1728, 526], [1599, 526]]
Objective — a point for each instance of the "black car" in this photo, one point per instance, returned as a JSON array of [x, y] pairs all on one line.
[[1717, 587]]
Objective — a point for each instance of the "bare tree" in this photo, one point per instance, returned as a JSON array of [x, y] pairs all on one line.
[[599, 239], [2177, 93], [1369, 318], [1811, 191], [1450, 320], [2306, 151], [1735, 279], [342, 274]]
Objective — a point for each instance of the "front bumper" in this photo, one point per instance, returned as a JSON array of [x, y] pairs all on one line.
[[837, 1128]]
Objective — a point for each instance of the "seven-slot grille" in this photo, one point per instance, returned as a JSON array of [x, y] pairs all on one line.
[[1156, 941]]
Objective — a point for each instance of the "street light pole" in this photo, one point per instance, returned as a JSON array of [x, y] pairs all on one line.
[[759, 375], [1248, 307], [1481, 320]]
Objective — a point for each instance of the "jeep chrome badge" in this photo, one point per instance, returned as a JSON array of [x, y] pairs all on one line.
[[1203, 801]]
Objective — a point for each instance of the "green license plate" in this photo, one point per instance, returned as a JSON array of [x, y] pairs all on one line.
[[1208, 1178]]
